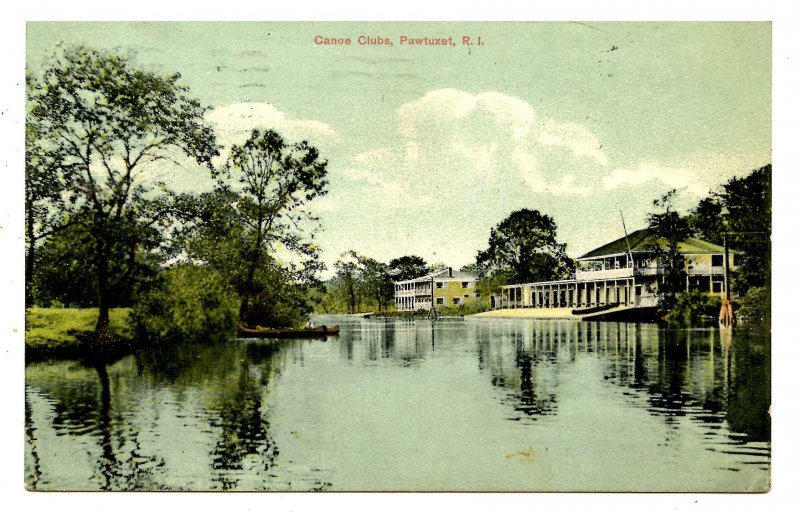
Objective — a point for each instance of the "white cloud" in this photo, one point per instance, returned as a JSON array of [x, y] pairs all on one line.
[[234, 123], [450, 136], [455, 164], [567, 186], [574, 137], [692, 181], [360, 175]]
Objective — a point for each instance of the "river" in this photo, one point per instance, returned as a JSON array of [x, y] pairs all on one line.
[[472, 405]]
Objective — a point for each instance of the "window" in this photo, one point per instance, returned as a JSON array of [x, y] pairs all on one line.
[[716, 260], [439, 300], [456, 300], [465, 284], [439, 284]]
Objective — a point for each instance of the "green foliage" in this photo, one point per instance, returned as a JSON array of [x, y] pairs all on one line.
[[256, 212], [694, 308], [749, 202], [278, 299], [491, 285], [469, 307], [706, 219], [361, 284], [376, 283], [670, 227], [99, 121], [66, 271], [59, 328], [756, 305], [408, 267], [524, 248], [748, 225], [345, 286], [43, 201], [190, 303]]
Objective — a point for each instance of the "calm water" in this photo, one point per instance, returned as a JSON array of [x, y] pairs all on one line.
[[402, 405]]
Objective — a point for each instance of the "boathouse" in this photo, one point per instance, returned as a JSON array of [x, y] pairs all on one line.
[[445, 287], [623, 274]]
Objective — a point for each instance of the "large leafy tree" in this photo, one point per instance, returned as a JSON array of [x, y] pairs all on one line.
[[104, 123], [43, 200], [407, 267], [376, 281], [670, 229], [255, 227], [346, 285], [748, 225], [749, 201], [524, 248], [361, 281], [66, 272]]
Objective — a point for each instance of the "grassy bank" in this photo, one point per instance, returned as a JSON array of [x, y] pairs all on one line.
[[67, 331]]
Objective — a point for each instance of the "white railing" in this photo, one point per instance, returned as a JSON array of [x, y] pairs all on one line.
[[612, 273], [412, 292]]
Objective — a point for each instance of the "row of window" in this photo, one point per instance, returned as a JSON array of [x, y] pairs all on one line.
[[464, 284], [440, 300], [439, 284]]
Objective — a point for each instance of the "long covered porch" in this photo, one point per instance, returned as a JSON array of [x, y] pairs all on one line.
[[570, 294]]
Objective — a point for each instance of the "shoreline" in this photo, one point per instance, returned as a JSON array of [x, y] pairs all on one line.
[[560, 313]]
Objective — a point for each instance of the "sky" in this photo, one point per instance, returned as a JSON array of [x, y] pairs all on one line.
[[429, 147]]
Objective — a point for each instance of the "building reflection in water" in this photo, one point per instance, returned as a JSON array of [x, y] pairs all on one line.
[[201, 417], [707, 375]]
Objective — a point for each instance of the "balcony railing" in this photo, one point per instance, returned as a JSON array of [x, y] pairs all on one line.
[[618, 273], [612, 273], [412, 292]]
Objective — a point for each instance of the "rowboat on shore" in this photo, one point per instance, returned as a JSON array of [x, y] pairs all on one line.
[[309, 332]]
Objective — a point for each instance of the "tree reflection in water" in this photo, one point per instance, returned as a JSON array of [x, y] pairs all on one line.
[[707, 375], [121, 465], [211, 416], [33, 473], [244, 443], [521, 362]]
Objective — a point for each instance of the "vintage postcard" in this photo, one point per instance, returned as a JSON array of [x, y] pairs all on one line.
[[385, 256]]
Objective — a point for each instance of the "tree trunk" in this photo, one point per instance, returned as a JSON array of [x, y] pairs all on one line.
[[251, 271], [247, 290], [29, 298], [243, 306], [102, 332], [109, 460]]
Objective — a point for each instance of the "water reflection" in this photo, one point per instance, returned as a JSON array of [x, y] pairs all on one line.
[[241, 415]]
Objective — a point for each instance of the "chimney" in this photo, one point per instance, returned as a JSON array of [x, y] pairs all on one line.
[[450, 271]]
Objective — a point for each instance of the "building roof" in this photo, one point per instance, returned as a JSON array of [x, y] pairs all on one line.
[[643, 240], [442, 274], [457, 274]]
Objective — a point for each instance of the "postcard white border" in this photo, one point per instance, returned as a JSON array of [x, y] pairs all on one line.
[[786, 350]]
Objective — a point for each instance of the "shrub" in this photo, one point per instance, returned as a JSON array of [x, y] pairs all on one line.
[[755, 306], [189, 303], [695, 307]]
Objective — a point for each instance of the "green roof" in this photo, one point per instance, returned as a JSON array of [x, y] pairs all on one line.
[[643, 240]]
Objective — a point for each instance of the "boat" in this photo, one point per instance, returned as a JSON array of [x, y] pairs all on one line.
[[308, 332]]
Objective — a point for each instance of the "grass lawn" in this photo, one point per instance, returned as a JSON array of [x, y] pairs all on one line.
[[64, 328]]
